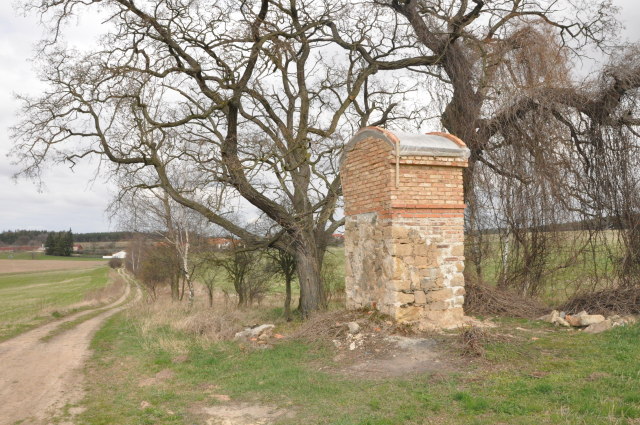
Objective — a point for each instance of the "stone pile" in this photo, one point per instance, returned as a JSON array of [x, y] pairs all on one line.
[[354, 338], [253, 333], [590, 323]]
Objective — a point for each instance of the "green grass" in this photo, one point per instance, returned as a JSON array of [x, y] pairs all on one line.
[[71, 324], [28, 300], [42, 256], [571, 263], [562, 377]]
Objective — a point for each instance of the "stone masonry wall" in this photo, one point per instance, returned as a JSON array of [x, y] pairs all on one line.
[[404, 245]]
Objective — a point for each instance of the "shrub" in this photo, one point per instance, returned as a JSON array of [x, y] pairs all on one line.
[[115, 263]]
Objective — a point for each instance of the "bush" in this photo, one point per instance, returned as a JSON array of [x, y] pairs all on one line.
[[115, 263], [333, 277]]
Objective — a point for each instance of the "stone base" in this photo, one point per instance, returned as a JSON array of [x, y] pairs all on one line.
[[446, 319], [408, 268]]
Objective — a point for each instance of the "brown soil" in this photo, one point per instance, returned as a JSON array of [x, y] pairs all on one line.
[[21, 266], [159, 378], [38, 378], [381, 348], [243, 414], [397, 356]]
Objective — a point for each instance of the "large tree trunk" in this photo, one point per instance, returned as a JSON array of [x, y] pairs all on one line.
[[287, 298], [175, 289], [182, 289], [242, 299], [312, 296], [210, 295]]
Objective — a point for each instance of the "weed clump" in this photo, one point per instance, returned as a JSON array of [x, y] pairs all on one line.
[[472, 339]]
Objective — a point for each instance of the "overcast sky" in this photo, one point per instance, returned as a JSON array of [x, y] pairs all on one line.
[[70, 199]]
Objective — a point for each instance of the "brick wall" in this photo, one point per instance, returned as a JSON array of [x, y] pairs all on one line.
[[367, 163]]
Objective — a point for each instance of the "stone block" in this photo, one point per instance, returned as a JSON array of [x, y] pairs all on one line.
[[400, 232], [415, 236], [572, 320], [422, 249], [457, 280], [409, 313], [399, 269], [458, 290], [457, 251], [426, 261], [433, 283], [429, 273], [591, 319], [439, 295], [400, 285], [596, 328], [388, 268], [439, 305], [420, 297], [404, 297], [404, 249]]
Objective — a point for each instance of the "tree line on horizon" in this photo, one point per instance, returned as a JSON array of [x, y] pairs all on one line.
[[23, 237]]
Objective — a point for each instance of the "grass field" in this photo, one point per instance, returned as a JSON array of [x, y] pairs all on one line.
[[31, 299], [41, 256], [532, 374]]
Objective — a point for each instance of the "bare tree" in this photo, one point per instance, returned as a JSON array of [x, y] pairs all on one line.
[[181, 229], [135, 251], [247, 95], [209, 274], [158, 266], [246, 269], [283, 264]]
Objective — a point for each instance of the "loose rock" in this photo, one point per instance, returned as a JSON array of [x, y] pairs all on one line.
[[254, 333], [573, 320], [596, 328], [550, 318], [591, 319], [593, 323], [354, 328]]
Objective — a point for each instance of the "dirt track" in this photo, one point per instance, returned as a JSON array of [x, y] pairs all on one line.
[[20, 266], [38, 378]]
